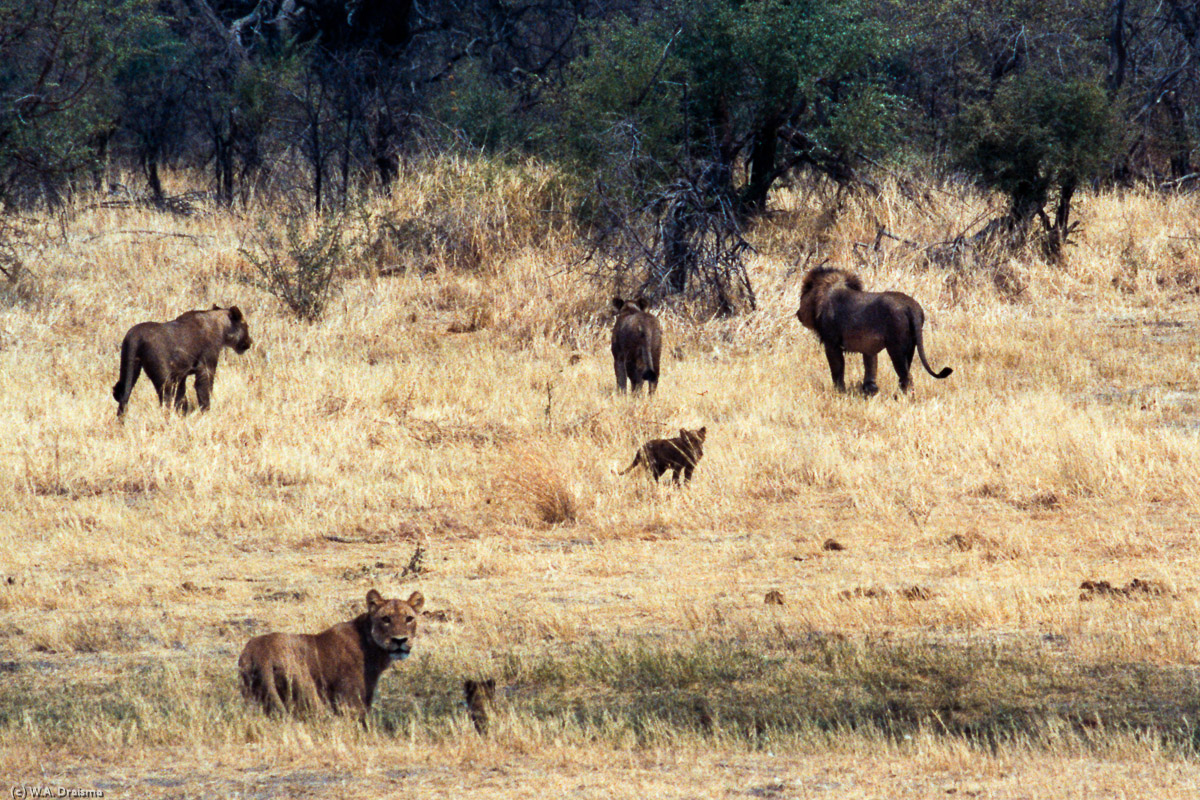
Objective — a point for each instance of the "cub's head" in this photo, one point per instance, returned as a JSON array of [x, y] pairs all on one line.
[[694, 439], [394, 622], [237, 333]]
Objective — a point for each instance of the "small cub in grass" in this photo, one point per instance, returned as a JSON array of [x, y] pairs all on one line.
[[480, 695], [679, 454]]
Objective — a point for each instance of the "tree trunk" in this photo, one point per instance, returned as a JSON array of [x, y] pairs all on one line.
[[385, 160], [677, 251], [762, 167], [1117, 52], [100, 168], [316, 158], [1180, 139], [1056, 236], [223, 163], [151, 166]]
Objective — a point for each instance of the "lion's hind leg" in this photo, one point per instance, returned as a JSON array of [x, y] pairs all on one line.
[[261, 685], [636, 375], [901, 355], [180, 396], [619, 368], [165, 384]]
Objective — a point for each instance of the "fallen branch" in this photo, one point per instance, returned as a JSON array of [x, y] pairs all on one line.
[[194, 239]]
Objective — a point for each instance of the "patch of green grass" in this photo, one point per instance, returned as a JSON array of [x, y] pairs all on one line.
[[749, 691]]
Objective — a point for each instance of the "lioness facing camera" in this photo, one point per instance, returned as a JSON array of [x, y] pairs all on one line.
[[337, 668]]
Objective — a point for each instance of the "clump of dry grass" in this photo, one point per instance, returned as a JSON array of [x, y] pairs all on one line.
[[531, 482], [466, 215]]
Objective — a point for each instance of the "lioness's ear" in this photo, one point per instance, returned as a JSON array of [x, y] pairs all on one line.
[[490, 683], [235, 314], [618, 303], [215, 307], [416, 600], [640, 303], [702, 432], [685, 434], [374, 600]]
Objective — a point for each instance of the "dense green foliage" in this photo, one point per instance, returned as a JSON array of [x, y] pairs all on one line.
[[768, 83], [1038, 138], [723, 97], [58, 62]]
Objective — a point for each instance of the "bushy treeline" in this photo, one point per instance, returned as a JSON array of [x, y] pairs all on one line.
[[673, 108]]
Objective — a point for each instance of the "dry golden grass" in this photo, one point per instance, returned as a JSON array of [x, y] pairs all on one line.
[[458, 397]]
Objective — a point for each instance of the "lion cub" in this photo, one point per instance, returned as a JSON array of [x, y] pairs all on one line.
[[681, 453], [479, 697]]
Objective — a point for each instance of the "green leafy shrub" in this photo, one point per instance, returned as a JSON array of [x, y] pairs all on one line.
[[1036, 139], [302, 270]]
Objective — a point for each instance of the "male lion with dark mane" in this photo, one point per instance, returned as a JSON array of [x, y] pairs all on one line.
[[847, 319], [190, 344], [338, 668]]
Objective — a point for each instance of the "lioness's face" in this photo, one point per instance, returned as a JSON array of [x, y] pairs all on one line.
[[394, 622]]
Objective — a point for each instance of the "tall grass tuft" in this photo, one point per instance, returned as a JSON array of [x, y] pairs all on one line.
[[533, 484]]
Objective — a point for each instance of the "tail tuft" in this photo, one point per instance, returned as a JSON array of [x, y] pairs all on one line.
[[945, 373]]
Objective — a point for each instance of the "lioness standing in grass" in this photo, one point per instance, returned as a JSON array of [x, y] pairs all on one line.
[[847, 319], [190, 344], [337, 668], [681, 453], [636, 345]]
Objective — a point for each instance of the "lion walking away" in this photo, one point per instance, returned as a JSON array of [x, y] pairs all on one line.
[[679, 454], [848, 320], [338, 668], [169, 352], [636, 345]]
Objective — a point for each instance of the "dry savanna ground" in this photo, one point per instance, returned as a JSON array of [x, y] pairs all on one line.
[[451, 426]]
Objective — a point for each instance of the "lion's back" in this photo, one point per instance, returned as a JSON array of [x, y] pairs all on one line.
[[274, 649]]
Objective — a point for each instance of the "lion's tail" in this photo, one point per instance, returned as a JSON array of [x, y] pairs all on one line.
[[920, 340], [651, 372], [637, 459], [131, 366]]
